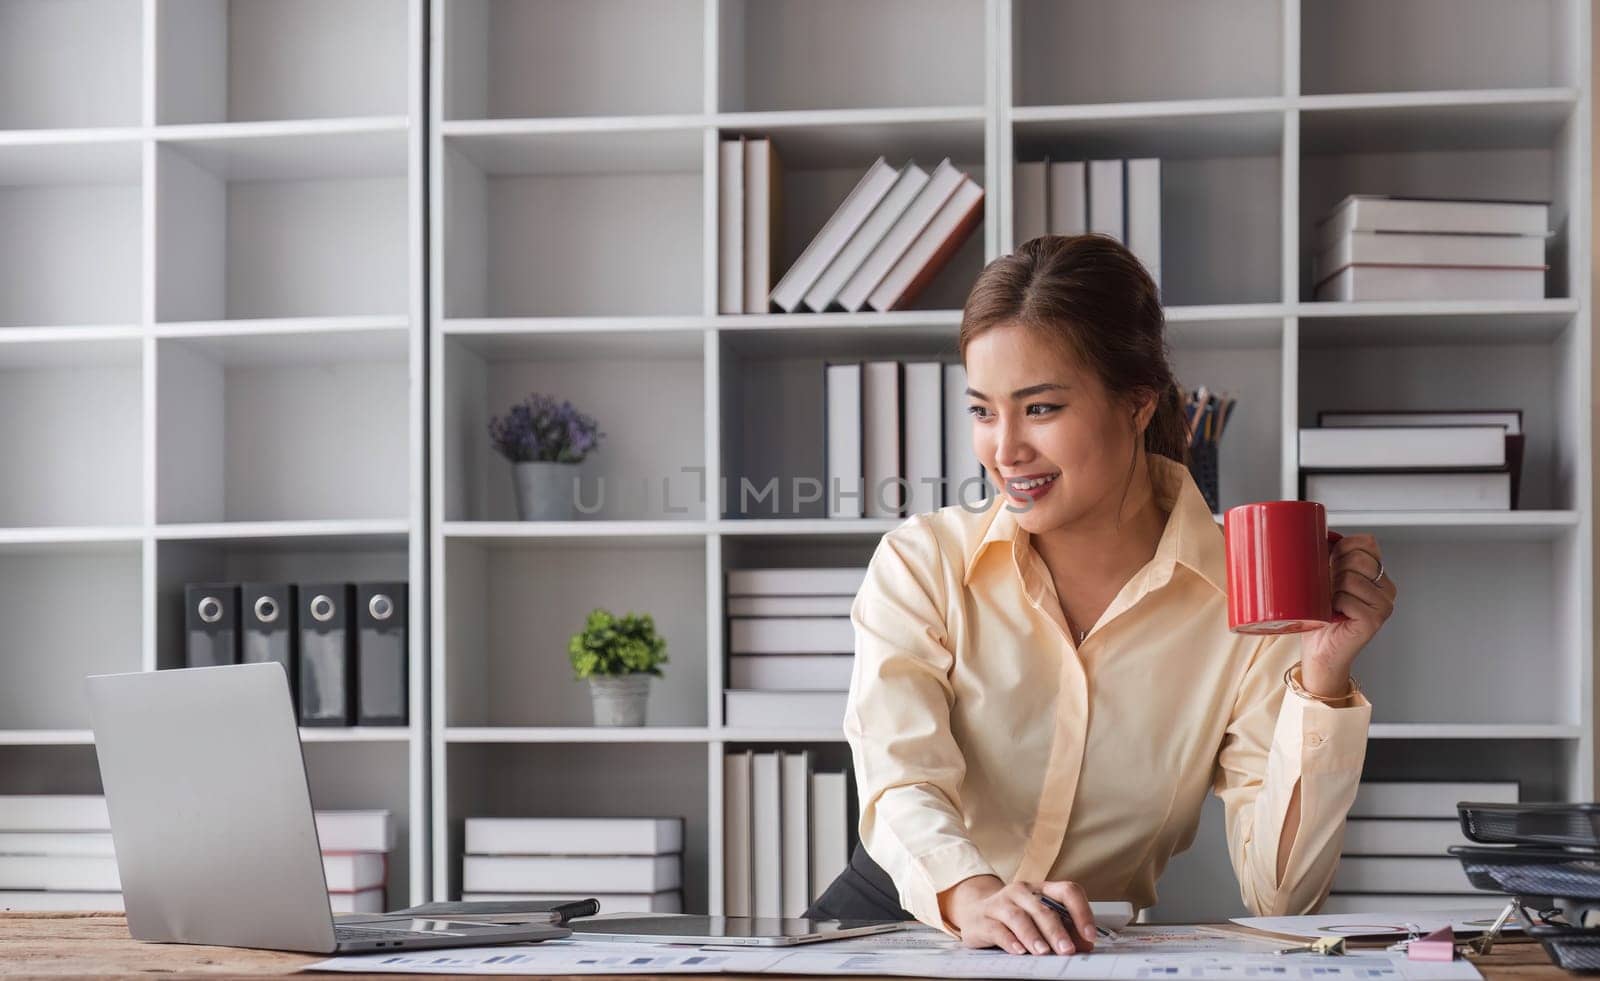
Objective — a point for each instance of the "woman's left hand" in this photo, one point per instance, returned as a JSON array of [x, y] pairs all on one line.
[[1364, 591]]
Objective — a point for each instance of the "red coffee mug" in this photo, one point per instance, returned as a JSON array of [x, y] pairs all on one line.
[[1279, 577]]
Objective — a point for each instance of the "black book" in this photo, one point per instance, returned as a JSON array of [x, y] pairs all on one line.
[[327, 654], [268, 611], [211, 624], [381, 654]]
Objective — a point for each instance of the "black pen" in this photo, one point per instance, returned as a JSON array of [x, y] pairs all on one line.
[[1066, 917]]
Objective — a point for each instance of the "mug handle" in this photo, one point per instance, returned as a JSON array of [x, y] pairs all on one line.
[[1338, 617]]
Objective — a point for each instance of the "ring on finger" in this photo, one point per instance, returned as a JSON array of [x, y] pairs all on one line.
[[1379, 577]]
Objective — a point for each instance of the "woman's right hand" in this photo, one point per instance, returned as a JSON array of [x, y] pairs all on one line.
[[990, 913]]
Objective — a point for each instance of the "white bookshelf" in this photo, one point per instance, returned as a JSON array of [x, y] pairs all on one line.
[[574, 210], [211, 351]]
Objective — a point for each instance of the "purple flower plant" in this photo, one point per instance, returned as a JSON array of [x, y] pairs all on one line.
[[541, 429]]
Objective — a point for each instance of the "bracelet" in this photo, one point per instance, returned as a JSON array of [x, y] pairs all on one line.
[[1291, 677]]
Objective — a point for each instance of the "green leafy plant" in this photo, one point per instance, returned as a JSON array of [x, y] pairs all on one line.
[[612, 645]]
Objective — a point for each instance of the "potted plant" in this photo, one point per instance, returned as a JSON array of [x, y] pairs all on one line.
[[618, 656], [544, 440]]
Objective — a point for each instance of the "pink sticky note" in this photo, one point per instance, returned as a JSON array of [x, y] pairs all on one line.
[[1440, 945]]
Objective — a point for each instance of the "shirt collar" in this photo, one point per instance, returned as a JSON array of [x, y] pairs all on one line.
[[1191, 537]]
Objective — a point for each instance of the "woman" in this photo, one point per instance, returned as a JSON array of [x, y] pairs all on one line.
[[1045, 689]]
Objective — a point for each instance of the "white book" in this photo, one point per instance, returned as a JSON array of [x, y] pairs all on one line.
[[571, 873], [47, 812], [354, 871], [736, 833], [52, 843], [941, 184], [790, 606], [766, 835], [796, 776], [1069, 198], [796, 582], [1512, 421], [1423, 799], [964, 482], [1387, 836], [881, 462], [761, 177], [1380, 213], [907, 186], [60, 902], [814, 710], [924, 432], [730, 228], [75, 873], [790, 672], [574, 836], [1144, 213], [356, 831], [1469, 904], [1416, 875], [1415, 249], [830, 829], [1411, 491], [932, 247], [1030, 204], [842, 407], [668, 901], [1402, 447], [362, 901], [791, 635], [1353, 283], [1106, 204], [846, 220]]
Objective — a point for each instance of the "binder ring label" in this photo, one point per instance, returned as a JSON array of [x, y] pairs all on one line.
[[266, 609], [321, 608], [210, 609], [380, 606]]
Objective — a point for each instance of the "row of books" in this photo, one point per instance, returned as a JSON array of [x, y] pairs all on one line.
[[1394, 855], [786, 832], [56, 853], [1392, 461], [631, 865], [898, 439], [790, 647], [343, 645], [1119, 198], [881, 247], [1376, 247]]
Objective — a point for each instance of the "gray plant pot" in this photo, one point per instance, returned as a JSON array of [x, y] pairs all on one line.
[[544, 490], [619, 700]]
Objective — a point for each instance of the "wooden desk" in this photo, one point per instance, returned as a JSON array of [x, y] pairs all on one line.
[[97, 945]]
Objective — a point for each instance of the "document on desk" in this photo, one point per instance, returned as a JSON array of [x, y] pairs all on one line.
[[1470, 922]]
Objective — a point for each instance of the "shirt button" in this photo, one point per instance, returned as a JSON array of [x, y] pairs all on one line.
[[1315, 739]]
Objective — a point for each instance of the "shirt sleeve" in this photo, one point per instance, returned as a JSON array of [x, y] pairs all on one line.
[[1275, 739], [908, 766]]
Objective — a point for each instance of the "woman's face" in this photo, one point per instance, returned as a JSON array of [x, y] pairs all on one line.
[[1052, 441]]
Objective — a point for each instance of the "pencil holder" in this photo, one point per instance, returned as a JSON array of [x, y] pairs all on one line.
[[1203, 467]]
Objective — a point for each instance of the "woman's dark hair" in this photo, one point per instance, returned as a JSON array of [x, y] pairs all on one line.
[[1091, 296]]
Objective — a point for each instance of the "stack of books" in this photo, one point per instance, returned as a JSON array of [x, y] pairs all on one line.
[[883, 245], [1373, 247], [1119, 198], [631, 865], [747, 224], [56, 853], [898, 439], [1405, 460], [786, 831], [791, 647], [1395, 840]]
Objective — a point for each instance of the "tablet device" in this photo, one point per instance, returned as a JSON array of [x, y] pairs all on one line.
[[740, 931]]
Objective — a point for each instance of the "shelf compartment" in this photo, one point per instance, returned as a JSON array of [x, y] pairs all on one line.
[[769, 54], [611, 377], [1424, 323], [543, 224], [356, 776], [1248, 366], [68, 613], [1076, 52], [1376, 46], [249, 433], [238, 60], [510, 609], [70, 63], [274, 226], [513, 58]]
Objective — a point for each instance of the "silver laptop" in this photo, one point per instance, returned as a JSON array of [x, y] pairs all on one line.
[[211, 818]]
